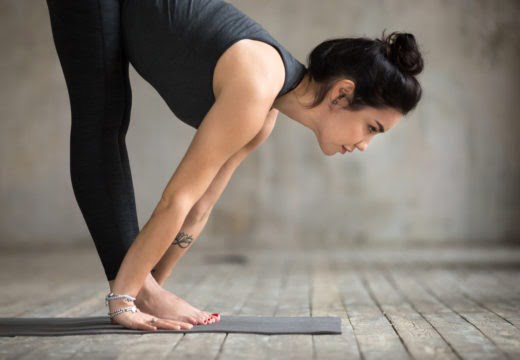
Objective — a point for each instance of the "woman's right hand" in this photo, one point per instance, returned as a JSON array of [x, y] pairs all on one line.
[[141, 320]]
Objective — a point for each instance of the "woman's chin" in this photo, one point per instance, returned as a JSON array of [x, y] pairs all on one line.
[[329, 153], [328, 150]]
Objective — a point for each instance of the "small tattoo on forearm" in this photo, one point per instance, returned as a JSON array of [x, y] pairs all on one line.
[[183, 240]]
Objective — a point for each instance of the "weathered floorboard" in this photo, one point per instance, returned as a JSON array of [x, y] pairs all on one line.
[[376, 337], [422, 303], [326, 301], [421, 339], [463, 337], [224, 296], [504, 335]]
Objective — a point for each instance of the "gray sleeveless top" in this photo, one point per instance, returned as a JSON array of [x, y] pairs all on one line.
[[175, 44]]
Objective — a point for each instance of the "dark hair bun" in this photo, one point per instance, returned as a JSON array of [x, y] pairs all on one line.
[[382, 70], [402, 50]]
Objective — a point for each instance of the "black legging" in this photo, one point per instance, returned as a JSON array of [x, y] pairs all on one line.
[[88, 41]]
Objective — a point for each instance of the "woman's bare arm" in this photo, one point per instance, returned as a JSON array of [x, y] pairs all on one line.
[[199, 214], [232, 122]]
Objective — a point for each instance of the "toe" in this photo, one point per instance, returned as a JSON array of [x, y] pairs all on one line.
[[206, 314], [192, 320]]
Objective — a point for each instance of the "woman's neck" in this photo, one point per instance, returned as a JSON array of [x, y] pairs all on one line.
[[292, 103]]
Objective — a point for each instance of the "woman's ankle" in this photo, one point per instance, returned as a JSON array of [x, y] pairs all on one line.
[[149, 289]]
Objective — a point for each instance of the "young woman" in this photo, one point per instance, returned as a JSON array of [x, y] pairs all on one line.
[[221, 73]]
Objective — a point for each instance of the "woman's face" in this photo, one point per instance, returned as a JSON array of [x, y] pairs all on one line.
[[334, 126], [338, 127]]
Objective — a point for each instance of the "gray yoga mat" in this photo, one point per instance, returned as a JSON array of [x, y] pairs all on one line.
[[58, 326]]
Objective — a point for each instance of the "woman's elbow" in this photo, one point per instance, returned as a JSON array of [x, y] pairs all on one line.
[[178, 204]]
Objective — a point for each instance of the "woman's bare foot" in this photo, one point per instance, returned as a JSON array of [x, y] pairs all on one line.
[[141, 320], [166, 305]]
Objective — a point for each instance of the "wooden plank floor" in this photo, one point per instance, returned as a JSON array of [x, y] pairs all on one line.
[[395, 303]]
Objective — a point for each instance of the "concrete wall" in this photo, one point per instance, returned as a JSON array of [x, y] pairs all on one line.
[[448, 172]]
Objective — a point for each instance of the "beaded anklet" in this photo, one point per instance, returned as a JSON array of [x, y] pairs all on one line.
[[112, 296]]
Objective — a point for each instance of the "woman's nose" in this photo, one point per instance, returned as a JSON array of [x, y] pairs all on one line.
[[362, 146]]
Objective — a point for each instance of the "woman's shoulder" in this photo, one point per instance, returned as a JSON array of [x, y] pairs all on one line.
[[254, 61]]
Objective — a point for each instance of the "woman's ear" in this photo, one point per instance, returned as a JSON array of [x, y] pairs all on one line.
[[347, 88], [344, 89]]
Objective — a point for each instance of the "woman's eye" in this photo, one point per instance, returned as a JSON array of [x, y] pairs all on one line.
[[372, 129]]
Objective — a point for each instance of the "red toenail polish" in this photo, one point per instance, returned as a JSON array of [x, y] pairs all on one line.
[[215, 314]]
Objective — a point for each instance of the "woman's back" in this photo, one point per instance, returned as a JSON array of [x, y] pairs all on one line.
[[175, 45]]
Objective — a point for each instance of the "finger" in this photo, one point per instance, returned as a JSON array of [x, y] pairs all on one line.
[[145, 326], [168, 324], [131, 322], [185, 325], [182, 324]]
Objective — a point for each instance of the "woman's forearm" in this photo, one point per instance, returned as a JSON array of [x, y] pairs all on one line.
[[189, 232], [149, 246]]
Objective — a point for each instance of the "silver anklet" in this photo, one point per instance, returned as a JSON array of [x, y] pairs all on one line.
[[122, 310], [112, 296]]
